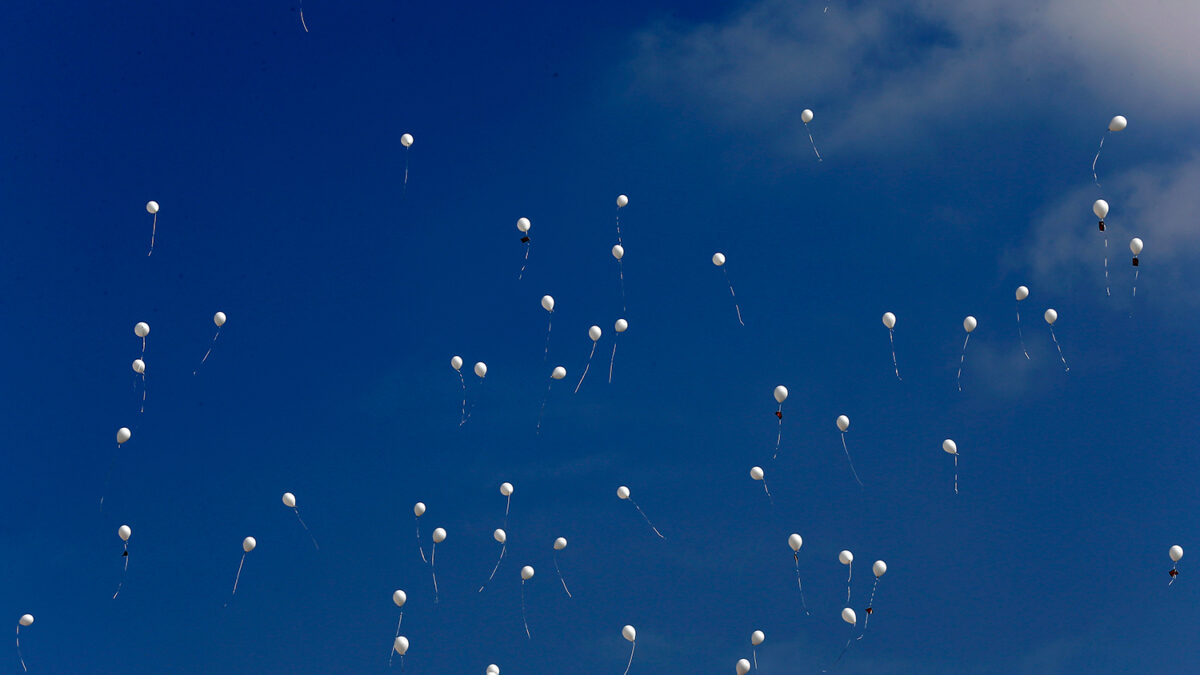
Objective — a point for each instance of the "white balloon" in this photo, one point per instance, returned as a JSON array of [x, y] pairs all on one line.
[[845, 557], [506, 489], [795, 541], [124, 532], [849, 617], [481, 369], [781, 394], [400, 645], [406, 140], [559, 373], [843, 422], [526, 573], [756, 472], [399, 597], [123, 435], [493, 669], [139, 366], [152, 206], [743, 667], [889, 320], [622, 201], [618, 251], [1135, 245], [219, 319], [1100, 208], [757, 637], [141, 329], [629, 633], [1117, 123], [560, 543], [289, 500], [548, 303], [419, 509], [1051, 316], [1176, 553], [879, 568], [806, 115], [1022, 292], [26, 620], [718, 259], [499, 536], [622, 492], [969, 324], [950, 446], [456, 362], [621, 326], [523, 224], [594, 333], [248, 544], [439, 535]]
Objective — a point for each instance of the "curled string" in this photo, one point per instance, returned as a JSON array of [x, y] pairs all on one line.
[[849, 576], [1020, 334], [310, 534], [433, 571], [1095, 159], [503, 548], [803, 604], [210, 348], [392, 651], [124, 572], [585, 368], [153, 229], [733, 295], [778, 434], [850, 461], [19, 656], [1060, 352], [814, 143], [631, 651], [236, 579], [521, 274], [612, 360], [463, 416], [560, 575], [961, 359], [639, 510], [419, 546], [523, 617]]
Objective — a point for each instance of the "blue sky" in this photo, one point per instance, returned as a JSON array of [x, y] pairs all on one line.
[[957, 138]]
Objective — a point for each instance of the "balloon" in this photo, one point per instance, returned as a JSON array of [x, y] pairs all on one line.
[[559, 373], [419, 509], [757, 637], [806, 115], [622, 492], [845, 557], [781, 394], [756, 472], [621, 326], [399, 597], [506, 489], [248, 544], [26, 620], [406, 140], [969, 324], [456, 362], [1117, 123], [123, 435], [481, 369], [493, 669], [1135, 245], [401, 642], [843, 422], [1100, 208], [142, 329], [879, 568], [289, 500], [523, 224], [1022, 292], [718, 259], [1051, 316], [152, 207], [139, 366], [849, 617], [950, 446], [124, 532], [219, 319], [560, 543], [743, 667], [795, 541], [526, 573], [439, 535], [594, 333], [618, 251], [499, 536], [889, 320], [622, 201], [548, 303], [628, 632], [1176, 553]]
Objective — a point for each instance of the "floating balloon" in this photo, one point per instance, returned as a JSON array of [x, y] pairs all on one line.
[[623, 493], [847, 559], [548, 305], [1135, 247], [406, 140], [969, 325], [558, 373], [289, 500], [594, 334], [501, 538], [950, 447], [622, 201], [493, 669], [219, 320], [889, 322], [630, 634], [781, 394], [123, 434], [26, 620], [620, 327], [418, 511], [718, 259], [756, 639], [879, 569], [124, 532], [523, 226], [756, 473], [849, 617], [1051, 316], [481, 370], [559, 544], [152, 209], [439, 535], [1117, 123], [1100, 208], [399, 597], [795, 542], [742, 667], [399, 646], [139, 366], [456, 363], [843, 425], [618, 251], [526, 575], [806, 116], [1176, 553], [1022, 293], [248, 545], [142, 329]]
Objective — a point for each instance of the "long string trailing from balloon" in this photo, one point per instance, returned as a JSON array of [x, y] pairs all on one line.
[[870, 605], [560, 575], [1174, 575], [1095, 159], [892, 340], [433, 571], [628, 665], [310, 534], [306, 30], [419, 546], [1135, 278], [503, 548], [507, 504], [549, 327], [404, 192], [124, 572], [814, 143], [210, 348], [588, 366], [803, 604], [621, 276], [525, 261], [478, 396], [779, 433], [612, 360], [849, 576], [236, 579], [639, 510], [153, 230], [754, 657], [524, 619], [962, 359], [768, 491], [1107, 286], [1060, 351], [1021, 334], [392, 651], [143, 408], [542, 412], [850, 461], [463, 416], [955, 473], [733, 295], [22, 657]]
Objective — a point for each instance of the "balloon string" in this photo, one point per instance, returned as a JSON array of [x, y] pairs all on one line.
[[1107, 287], [1060, 352], [768, 491], [754, 656], [846, 648], [143, 408], [108, 477], [892, 340], [619, 227], [123, 573], [1174, 567], [523, 617], [310, 534], [1021, 334], [404, 192], [306, 30], [210, 348], [585, 368], [463, 416], [419, 546], [472, 408], [803, 604], [733, 295], [153, 229], [961, 359], [612, 360], [392, 651], [236, 579], [521, 274], [507, 504], [20, 656], [621, 275], [639, 510], [631, 651], [1135, 278], [545, 397], [1095, 159], [870, 604], [560, 575], [850, 461], [503, 547], [778, 434], [433, 571], [814, 143], [956, 473], [549, 327], [849, 576]]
